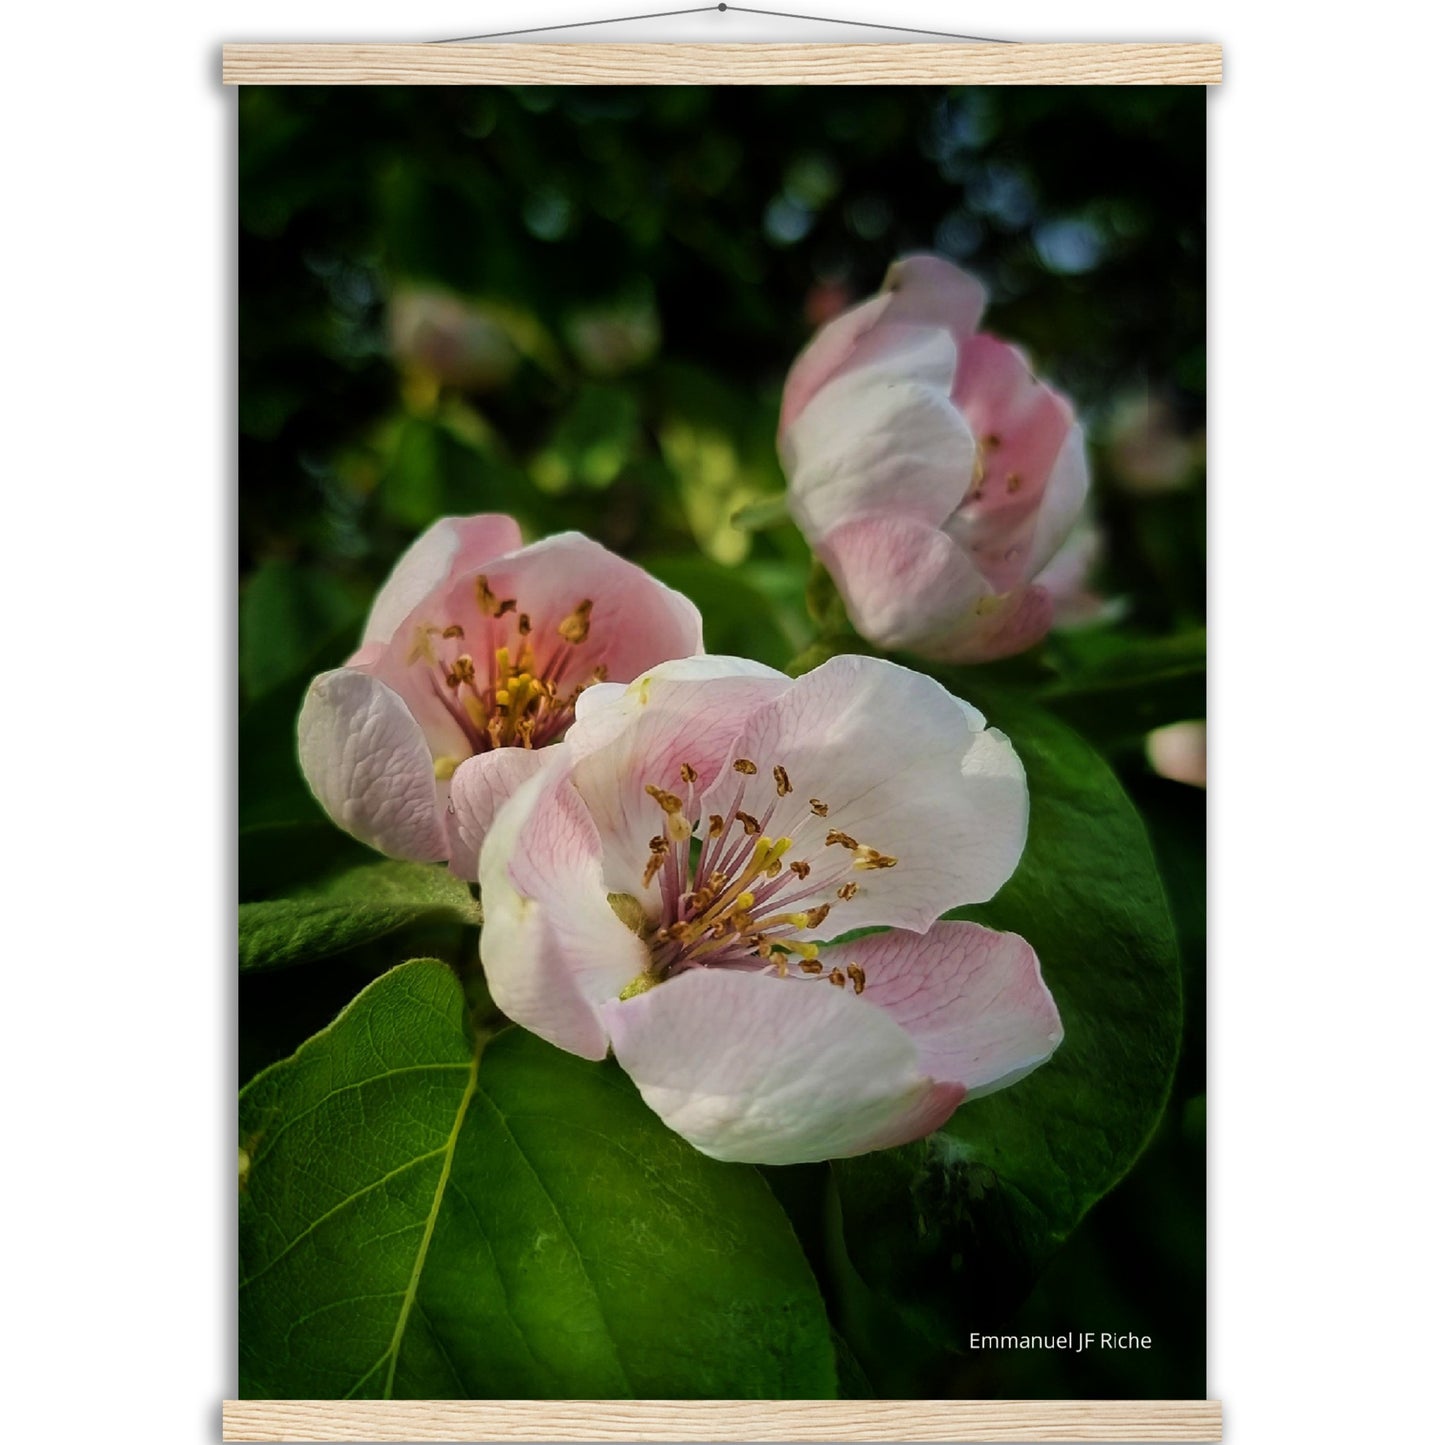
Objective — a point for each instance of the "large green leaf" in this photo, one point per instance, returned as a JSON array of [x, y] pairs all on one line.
[[1140, 686], [355, 907], [425, 1217], [288, 611], [954, 1228]]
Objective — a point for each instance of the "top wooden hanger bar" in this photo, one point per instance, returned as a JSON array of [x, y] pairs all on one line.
[[741, 64]]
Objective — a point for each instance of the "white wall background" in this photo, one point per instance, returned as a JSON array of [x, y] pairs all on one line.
[[1326, 486]]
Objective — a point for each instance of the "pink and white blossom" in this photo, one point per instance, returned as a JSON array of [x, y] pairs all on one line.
[[933, 474], [473, 660], [666, 887]]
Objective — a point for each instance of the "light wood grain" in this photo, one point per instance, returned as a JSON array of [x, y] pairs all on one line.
[[722, 1420], [748, 64]]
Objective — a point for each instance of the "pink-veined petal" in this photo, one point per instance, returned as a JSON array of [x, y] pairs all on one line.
[[479, 787], [1063, 503], [903, 769], [825, 355], [903, 581], [907, 585], [1022, 428], [928, 289], [750, 1067], [972, 1000], [368, 764], [551, 945], [684, 712], [634, 621], [448, 546]]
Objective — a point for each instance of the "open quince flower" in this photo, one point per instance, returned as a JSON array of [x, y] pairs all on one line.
[[665, 886], [474, 658], [932, 473]]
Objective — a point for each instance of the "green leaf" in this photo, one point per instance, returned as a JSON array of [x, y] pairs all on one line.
[[355, 907], [287, 613], [1127, 694], [426, 1217], [738, 616], [954, 1228]]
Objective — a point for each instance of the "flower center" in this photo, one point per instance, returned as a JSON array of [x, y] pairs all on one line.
[[732, 893], [511, 695]]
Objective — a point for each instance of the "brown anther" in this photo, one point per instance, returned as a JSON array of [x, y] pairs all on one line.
[[847, 891], [525, 727], [818, 806], [836, 978], [815, 916], [810, 965], [800, 868], [1013, 482], [453, 631], [599, 673], [992, 439], [715, 825], [494, 730], [452, 680], [773, 869], [654, 867], [751, 826], [780, 777], [679, 931], [741, 921], [506, 605], [836, 835], [524, 624], [668, 802], [872, 858], [743, 765], [700, 900], [576, 625], [657, 844], [858, 976], [486, 598], [464, 670], [781, 964], [688, 773]]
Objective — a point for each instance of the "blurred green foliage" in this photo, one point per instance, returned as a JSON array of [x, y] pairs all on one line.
[[578, 305]]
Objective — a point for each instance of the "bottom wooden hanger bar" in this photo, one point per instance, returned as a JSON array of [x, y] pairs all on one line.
[[722, 1420]]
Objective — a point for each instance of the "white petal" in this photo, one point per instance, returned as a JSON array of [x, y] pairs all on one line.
[[368, 764], [882, 435], [903, 770], [751, 1067], [552, 947], [478, 789]]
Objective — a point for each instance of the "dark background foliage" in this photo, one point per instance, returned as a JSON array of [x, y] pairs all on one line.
[[578, 306]]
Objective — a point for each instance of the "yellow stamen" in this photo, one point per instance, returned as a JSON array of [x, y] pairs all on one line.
[[872, 858]]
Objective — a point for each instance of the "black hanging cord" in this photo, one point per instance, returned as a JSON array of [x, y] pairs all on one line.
[[703, 9]]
